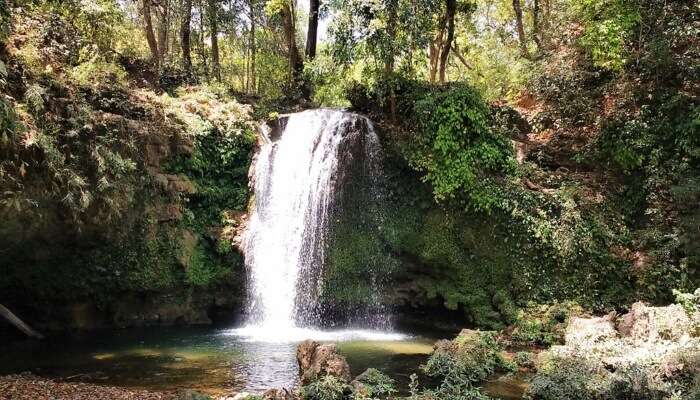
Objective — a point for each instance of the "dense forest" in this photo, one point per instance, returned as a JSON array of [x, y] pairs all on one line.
[[540, 180]]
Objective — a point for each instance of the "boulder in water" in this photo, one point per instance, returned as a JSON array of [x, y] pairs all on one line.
[[316, 360]]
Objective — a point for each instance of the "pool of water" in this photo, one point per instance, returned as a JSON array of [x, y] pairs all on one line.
[[213, 361]]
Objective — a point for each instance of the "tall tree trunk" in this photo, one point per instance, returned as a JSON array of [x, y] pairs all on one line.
[[312, 35], [536, 25], [185, 33], [391, 33], [296, 64], [436, 47], [163, 25], [253, 50], [200, 41], [214, 30], [445, 53], [390, 54], [14, 320], [150, 36], [519, 27]]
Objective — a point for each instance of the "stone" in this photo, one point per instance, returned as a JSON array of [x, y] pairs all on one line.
[[167, 212], [316, 360], [584, 331], [180, 184], [160, 180], [85, 316], [160, 309], [643, 323], [187, 247]]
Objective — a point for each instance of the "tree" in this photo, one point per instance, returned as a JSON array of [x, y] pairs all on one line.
[[250, 84], [18, 323], [148, 29], [451, 9], [200, 40], [185, 33], [536, 24], [163, 13], [296, 63], [312, 34], [519, 27], [214, 37]]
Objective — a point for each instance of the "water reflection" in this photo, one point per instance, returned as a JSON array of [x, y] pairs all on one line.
[[213, 361]]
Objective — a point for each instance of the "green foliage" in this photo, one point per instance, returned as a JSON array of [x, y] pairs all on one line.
[[370, 385], [466, 361], [582, 378], [4, 20], [103, 24], [543, 325], [204, 270], [375, 385], [463, 363], [98, 72], [608, 26], [379, 34], [689, 301], [219, 167], [327, 388], [456, 149], [327, 79], [523, 359]]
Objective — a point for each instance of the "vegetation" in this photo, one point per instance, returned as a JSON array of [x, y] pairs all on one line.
[[541, 163]]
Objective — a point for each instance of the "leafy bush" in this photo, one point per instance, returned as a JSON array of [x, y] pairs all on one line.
[[543, 325], [98, 72], [455, 147], [327, 388], [4, 20], [608, 25], [373, 385], [464, 362], [689, 301], [582, 378], [523, 359]]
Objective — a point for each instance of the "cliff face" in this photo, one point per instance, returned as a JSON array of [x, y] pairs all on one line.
[[116, 200]]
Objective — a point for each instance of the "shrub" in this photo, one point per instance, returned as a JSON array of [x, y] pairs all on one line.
[[457, 150], [543, 325], [327, 388], [608, 25], [373, 385], [98, 72], [689, 301], [523, 359], [462, 363], [578, 377]]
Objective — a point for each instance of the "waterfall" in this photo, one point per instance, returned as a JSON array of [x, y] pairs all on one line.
[[299, 174]]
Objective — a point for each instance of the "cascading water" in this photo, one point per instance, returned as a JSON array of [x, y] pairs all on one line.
[[299, 173]]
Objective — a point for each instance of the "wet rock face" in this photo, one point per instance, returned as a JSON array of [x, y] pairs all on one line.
[[276, 127], [316, 360]]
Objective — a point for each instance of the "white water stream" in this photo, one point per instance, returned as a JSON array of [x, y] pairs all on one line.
[[295, 182]]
